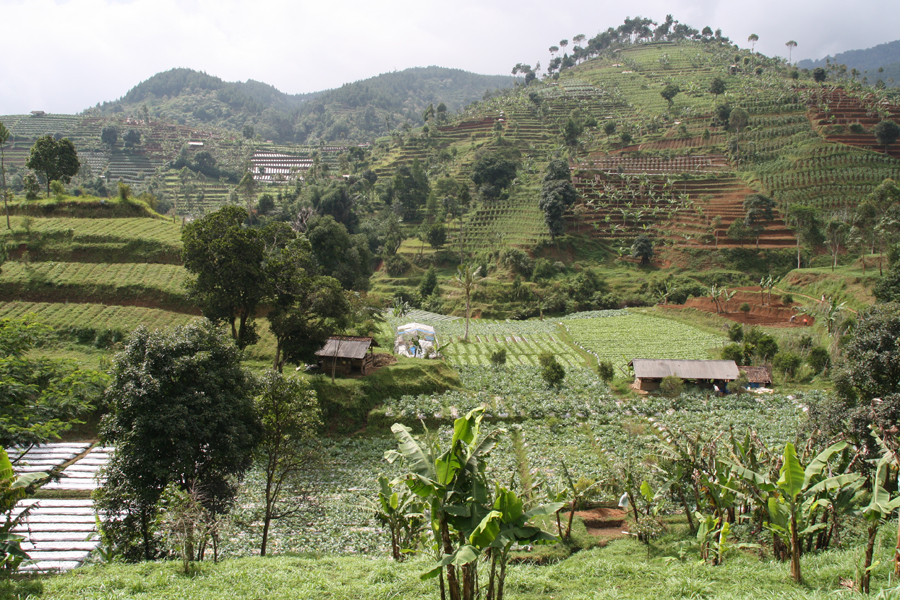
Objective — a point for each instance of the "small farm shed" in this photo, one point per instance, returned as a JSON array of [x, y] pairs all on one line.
[[347, 354], [648, 373], [415, 340], [758, 376]]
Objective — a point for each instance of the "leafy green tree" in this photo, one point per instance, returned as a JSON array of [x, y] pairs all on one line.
[[717, 87], [760, 210], [819, 75], [571, 130], [31, 186], [180, 411], [642, 249], [498, 357], [226, 261], [109, 135], [436, 234], [41, 397], [879, 509], [4, 136], [467, 278], [552, 372], [669, 92], [131, 138], [609, 128], [54, 160], [871, 359], [401, 511], [807, 229], [290, 416], [338, 254], [306, 308], [492, 172], [887, 288], [558, 194], [410, 189], [429, 283], [887, 132]]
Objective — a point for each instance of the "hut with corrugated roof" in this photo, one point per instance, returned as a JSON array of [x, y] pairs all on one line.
[[346, 354], [649, 373]]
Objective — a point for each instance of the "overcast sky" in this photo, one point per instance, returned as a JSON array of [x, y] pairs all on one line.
[[63, 56]]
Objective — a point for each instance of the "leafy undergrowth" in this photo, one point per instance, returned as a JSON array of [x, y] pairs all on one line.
[[621, 570]]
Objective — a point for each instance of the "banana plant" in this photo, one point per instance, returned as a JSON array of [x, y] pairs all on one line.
[[12, 489], [401, 512], [792, 500], [880, 507]]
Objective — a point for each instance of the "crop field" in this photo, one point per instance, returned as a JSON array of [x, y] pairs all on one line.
[[523, 341], [621, 338], [580, 423], [95, 316], [96, 230], [100, 282]]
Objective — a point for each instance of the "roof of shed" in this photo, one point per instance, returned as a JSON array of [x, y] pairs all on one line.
[[645, 368], [346, 347], [757, 374]]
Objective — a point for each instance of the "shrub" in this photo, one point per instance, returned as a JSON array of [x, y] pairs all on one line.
[[857, 128], [517, 261], [818, 359], [552, 372], [736, 332], [745, 308], [498, 357], [395, 265], [787, 362], [739, 385], [671, 386], [787, 299], [605, 371]]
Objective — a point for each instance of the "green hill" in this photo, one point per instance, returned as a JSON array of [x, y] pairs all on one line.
[[354, 112], [881, 62]]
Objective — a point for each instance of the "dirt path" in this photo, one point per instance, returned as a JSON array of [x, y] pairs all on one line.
[[607, 523]]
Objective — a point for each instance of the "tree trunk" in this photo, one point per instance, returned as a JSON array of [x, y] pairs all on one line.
[[798, 252], [452, 581], [268, 516], [571, 516], [795, 550], [870, 550], [493, 576], [687, 511], [467, 316]]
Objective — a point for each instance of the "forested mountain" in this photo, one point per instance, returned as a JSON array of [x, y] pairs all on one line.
[[879, 62], [354, 112]]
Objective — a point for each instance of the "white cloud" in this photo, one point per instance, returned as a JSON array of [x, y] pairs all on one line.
[[72, 54]]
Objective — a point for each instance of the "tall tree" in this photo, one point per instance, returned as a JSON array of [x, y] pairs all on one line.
[[290, 416], [805, 222], [791, 44], [55, 160], [642, 249], [887, 132], [305, 308], [753, 39], [180, 412], [760, 210], [835, 237], [716, 87], [467, 278], [226, 260]]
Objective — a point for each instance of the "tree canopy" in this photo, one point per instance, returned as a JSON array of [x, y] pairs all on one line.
[[55, 160], [180, 411]]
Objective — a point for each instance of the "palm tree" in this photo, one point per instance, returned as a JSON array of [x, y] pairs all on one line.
[[753, 39], [467, 278], [791, 45]]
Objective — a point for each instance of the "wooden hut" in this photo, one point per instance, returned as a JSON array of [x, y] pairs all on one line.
[[347, 354], [648, 373], [758, 376]]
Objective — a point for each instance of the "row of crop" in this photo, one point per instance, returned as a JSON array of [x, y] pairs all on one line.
[[95, 316], [96, 230], [622, 338], [112, 283]]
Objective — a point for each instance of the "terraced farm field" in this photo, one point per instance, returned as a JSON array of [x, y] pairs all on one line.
[[94, 316], [623, 337], [97, 230], [125, 283]]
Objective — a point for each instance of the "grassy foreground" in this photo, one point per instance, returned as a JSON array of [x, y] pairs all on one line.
[[618, 571]]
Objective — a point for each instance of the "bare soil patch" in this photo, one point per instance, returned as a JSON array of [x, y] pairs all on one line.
[[607, 523]]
